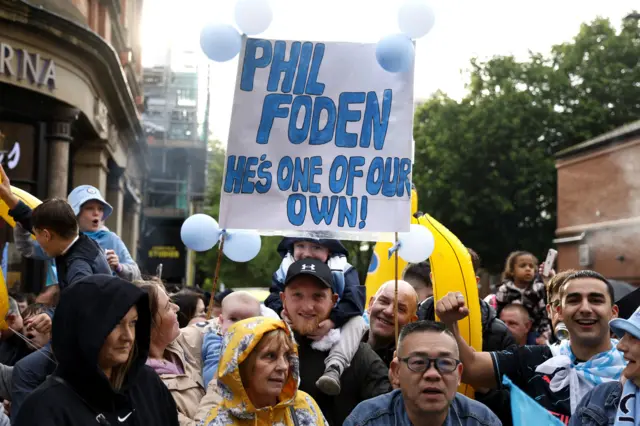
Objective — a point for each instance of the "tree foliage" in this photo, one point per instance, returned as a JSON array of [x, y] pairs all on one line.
[[484, 166], [257, 272]]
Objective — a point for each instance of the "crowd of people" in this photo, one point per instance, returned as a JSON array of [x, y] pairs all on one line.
[[104, 345]]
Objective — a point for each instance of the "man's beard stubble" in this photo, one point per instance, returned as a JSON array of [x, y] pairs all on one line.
[[303, 326]]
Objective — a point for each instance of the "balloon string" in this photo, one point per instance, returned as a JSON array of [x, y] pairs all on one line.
[[215, 277], [29, 343], [395, 298]]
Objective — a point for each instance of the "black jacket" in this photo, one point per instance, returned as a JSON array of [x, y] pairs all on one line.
[[352, 300], [366, 377], [495, 334], [385, 353], [84, 258], [86, 315], [12, 350], [495, 337]]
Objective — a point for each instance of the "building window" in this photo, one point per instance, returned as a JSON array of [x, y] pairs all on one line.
[[153, 79], [183, 116], [189, 81], [181, 132], [187, 97]]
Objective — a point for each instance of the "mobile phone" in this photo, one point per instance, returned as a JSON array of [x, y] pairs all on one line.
[[548, 262]]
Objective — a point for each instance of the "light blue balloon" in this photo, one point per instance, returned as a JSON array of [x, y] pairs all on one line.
[[200, 232], [395, 53], [241, 245], [220, 42]]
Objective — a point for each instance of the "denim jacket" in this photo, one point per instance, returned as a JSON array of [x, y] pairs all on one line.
[[599, 406], [389, 410]]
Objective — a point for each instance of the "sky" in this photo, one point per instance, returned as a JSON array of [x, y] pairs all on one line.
[[463, 29]]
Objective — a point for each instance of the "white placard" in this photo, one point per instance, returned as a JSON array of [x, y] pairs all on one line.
[[320, 142]]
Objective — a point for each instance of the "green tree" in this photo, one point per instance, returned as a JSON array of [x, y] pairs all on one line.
[[257, 272], [484, 166]]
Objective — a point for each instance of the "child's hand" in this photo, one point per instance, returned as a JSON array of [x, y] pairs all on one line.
[[41, 323], [113, 260], [323, 328], [545, 280]]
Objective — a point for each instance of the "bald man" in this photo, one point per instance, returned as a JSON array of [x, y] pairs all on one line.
[[381, 334]]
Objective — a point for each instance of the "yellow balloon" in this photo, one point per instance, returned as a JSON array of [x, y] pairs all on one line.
[[32, 202], [25, 197], [4, 303], [451, 271]]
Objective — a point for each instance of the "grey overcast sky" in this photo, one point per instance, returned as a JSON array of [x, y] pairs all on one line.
[[463, 29]]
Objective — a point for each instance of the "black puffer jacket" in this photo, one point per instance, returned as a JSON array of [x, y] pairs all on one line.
[[495, 337]]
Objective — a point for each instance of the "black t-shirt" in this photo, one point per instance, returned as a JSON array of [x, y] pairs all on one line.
[[365, 378], [520, 366]]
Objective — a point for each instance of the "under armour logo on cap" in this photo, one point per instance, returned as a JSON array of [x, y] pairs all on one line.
[[315, 268], [91, 190]]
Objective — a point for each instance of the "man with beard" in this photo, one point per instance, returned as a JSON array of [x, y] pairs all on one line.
[[381, 334], [557, 378], [307, 300]]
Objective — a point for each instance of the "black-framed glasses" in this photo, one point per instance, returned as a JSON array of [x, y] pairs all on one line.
[[421, 363]]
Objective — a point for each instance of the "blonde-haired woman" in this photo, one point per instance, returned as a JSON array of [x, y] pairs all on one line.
[[258, 378], [101, 333]]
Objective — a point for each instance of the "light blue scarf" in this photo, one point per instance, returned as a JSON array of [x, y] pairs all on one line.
[[581, 378], [629, 405]]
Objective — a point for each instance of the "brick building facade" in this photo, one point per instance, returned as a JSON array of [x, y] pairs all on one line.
[[598, 223]]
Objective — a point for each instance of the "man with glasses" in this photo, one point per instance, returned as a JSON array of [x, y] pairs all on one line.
[[429, 372]]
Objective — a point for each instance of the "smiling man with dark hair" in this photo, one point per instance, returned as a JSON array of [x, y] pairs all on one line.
[[557, 378]]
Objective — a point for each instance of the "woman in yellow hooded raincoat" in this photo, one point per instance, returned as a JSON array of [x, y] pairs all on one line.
[[258, 378]]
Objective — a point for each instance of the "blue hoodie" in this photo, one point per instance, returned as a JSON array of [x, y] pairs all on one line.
[[346, 283]]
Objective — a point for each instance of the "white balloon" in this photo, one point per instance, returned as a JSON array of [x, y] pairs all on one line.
[[416, 18], [416, 245], [253, 16]]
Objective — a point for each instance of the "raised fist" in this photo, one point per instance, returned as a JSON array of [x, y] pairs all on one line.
[[452, 308]]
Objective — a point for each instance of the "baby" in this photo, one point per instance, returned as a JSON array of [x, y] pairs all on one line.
[[236, 306]]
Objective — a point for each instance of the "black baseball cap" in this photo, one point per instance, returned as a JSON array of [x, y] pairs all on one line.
[[311, 267]]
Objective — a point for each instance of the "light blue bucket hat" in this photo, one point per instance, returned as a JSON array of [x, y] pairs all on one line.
[[84, 193], [622, 326]]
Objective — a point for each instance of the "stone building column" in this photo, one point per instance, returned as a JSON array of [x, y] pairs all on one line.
[[131, 227], [90, 166], [115, 197], [58, 136]]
